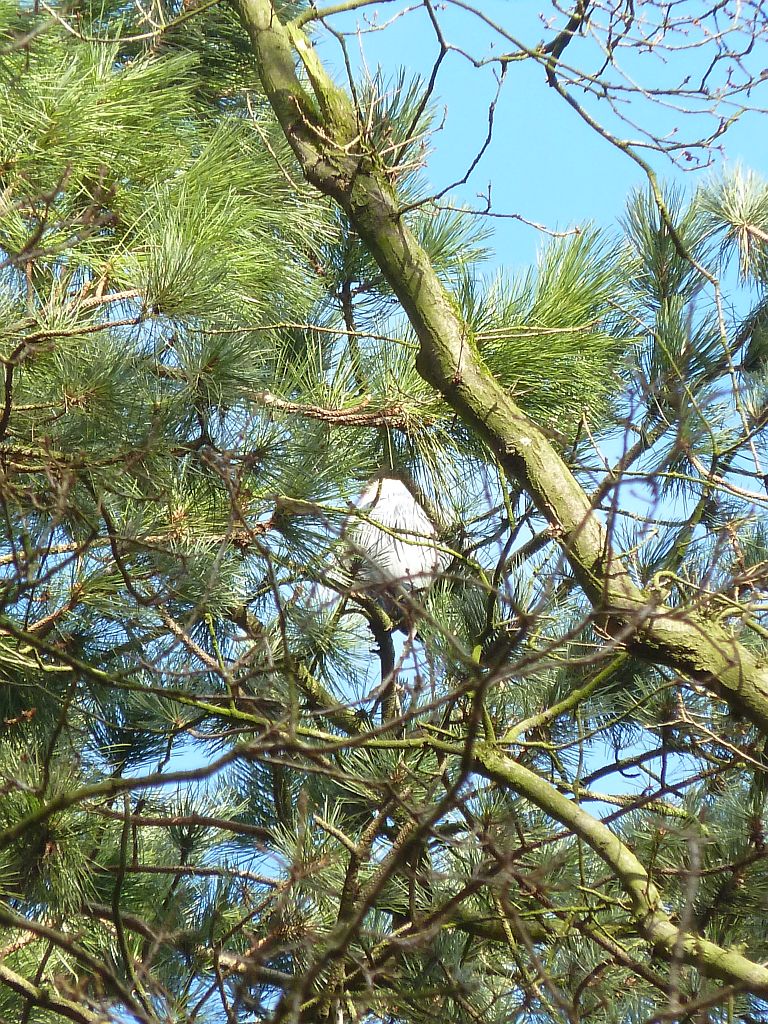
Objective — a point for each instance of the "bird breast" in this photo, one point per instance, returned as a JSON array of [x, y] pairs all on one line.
[[394, 538]]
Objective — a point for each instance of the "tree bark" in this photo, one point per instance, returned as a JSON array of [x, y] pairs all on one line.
[[334, 154]]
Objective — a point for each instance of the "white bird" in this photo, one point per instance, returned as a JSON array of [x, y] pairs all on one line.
[[394, 537]]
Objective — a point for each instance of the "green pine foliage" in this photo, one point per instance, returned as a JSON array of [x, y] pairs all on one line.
[[236, 782], [557, 337]]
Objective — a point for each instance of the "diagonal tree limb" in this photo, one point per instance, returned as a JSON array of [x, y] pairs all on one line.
[[652, 921], [323, 132], [325, 139], [46, 998]]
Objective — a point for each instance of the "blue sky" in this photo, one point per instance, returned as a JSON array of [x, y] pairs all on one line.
[[544, 163]]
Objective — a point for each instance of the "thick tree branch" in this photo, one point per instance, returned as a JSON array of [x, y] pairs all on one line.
[[336, 158], [652, 922], [46, 998]]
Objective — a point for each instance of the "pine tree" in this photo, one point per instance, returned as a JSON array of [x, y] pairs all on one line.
[[248, 769]]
